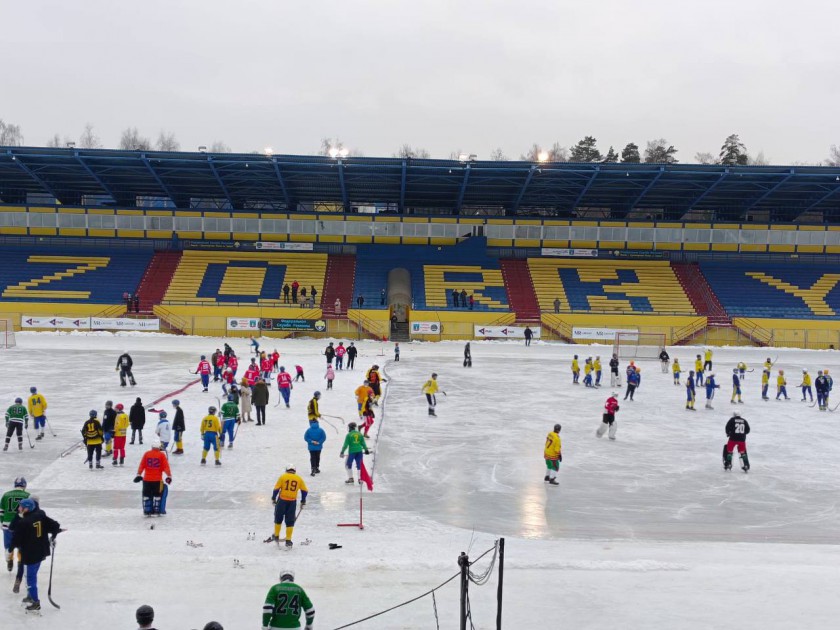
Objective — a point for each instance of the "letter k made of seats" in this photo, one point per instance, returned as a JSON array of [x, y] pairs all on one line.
[[814, 296]]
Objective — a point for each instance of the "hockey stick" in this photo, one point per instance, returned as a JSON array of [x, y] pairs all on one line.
[[50, 427], [49, 588], [29, 439], [330, 423], [813, 404], [835, 407], [72, 448], [323, 415]]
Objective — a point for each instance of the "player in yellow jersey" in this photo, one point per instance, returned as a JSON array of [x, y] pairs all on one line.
[[363, 393], [575, 370], [597, 367], [430, 388], [38, 411], [698, 371], [742, 369], [765, 384], [312, 410], [284, 498], [553, 455], [675, 368], [211, 429], [707, 360], [121, 425], [781, 385], [806, 385]]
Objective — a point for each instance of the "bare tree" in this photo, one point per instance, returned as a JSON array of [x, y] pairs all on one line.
[[167, 142], [55, 142], [407, 151], [330, 143], [219, 147], [88, 139], [759, 160], [497, 155], [456, 154], [10, 135], [833, 155], [556, 153], [705, 157], [131, 140]]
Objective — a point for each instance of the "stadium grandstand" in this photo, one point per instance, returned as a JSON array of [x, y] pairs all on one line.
[[282, 245]]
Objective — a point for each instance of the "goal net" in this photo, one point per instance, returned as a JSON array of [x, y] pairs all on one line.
[[7, 333], [630, 345]]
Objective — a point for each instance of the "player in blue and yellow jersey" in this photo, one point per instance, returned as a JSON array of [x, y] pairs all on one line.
[[675, 369], [284, 498], [38, 410], [575, 370], [765, 384], [211, 429], [553, 456]]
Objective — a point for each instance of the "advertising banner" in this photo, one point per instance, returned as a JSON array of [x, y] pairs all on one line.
[[425, 328], [299, 325], [243, 323], [505, 332], [119, 323], [46, 321], [580, 253], [285, 247], [602, 334]]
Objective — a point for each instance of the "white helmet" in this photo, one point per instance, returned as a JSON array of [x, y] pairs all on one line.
[[287, 575], [156, 444], [290, 468]]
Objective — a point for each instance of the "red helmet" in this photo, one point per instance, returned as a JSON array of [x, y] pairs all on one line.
[[119, 407]]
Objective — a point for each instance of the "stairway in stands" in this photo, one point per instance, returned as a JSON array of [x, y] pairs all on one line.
[[703, 299], [520, 290], [156, 280], [338, 283]]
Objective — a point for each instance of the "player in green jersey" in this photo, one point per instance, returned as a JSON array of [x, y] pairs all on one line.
[[284, 603], [230, 418], [8, 510], [17, 418]]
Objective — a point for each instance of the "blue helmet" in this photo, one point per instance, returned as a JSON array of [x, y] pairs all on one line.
[[176, 402], [230, 397], [27, 504], [92, 413], [33, 390], [203, 357], [18, 401], [20, 482], [162, 415]]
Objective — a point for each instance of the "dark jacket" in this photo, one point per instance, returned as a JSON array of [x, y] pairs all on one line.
[[352, 351], [109, 417], [259, 397], [178, 423], [124, 362], [329, 353], [737, 429], [137, 416], [34, 541]]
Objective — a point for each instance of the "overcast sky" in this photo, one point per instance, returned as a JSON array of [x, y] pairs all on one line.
[[439, 74]]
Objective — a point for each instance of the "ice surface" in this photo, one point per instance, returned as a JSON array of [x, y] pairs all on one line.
[[647, 531]]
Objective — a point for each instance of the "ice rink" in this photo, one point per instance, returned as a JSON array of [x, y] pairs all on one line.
[[644, 532]]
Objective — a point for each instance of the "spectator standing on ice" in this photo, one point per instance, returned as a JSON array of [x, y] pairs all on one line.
[[315, 437], [259, 398], [467, 355], [528, 334], [330, 376], [340, 351], [137, 418], [245, 401], [352, 351]]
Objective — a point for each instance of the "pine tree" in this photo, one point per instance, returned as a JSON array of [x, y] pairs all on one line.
[[586, 151], [733, 152], [611, 156], [660, 152], [630, 154]]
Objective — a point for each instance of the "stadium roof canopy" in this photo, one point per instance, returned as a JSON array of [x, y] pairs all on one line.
[[290, 182]]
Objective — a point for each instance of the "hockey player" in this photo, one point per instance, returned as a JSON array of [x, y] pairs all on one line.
[[315, 437], [806, 385], [163, 430], [124, 365], [711, 386], [275, 359], [355, 445], [663, 360], [299, 374], [765, 384], [230, 418], [121, 425], [217, 366], [736, 387], [829, 382], [34, 533], [153, 466], [698, 371], [284, 384], [233, 363], [137, 418], [109, 420], [17, 419], [633, 379], [675, 369], [821, 385], [375, 380], [37, 406], [690, 392], [608, 419], [329, 353], [467, 355], [768, 364], [178, 427], [284, 498], [707, 360], [252, 373], [330, 376], [228, 379], [363, 393], [340, 351], [312, 411], [553, 455], [396, 351], [266, 365], [736, 430], [276, 611], [367, 415], [587, 372], [742, 369], [211, 429], [430, 388], [615, 378], [8, 510], [93, 437], [203, 370], [575, 370], [255, 346], [596, 365], [781, 385]]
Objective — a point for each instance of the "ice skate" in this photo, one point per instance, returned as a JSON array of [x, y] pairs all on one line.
[[218, 462], [547, 478], [16, 587], [203, 462], [34, 606]]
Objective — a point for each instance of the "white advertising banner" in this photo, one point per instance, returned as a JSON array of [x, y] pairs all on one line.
[[119, 323], [243, 323], [505, 332], [579, 253], [603, 334], [425, 328], [285, 247], [46, 321]]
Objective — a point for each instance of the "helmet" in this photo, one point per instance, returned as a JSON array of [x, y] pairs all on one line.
[[576, 357], [119, 407], [176, 402], [230, 397], [290, 468], [213, 625], [287, 575], [27, 504], [156, 444], [735, 370], [203, 357], [557, 428], [33, 390], [92, 413], [35, 498], [711, 375], [145, 615], [282, 369], [162, 415], [316, 395], [109, 403], [781, 371], [804, 371], [352, 426], [211, 409], [614, 394], [825, 371], [18, 400], [434, 375], [20, 482]]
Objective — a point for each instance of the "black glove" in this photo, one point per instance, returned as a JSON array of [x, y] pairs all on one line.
[[302, 503], [367, 452], [168, 480], [617, 407], [560, 457], [138, 479]]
